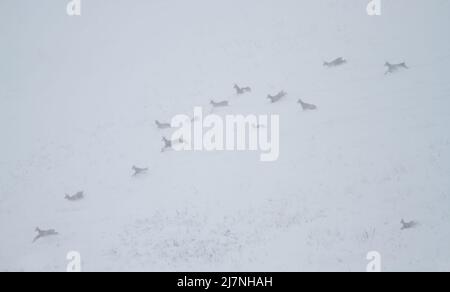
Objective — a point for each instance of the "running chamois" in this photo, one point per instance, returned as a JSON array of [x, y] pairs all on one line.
[[76, 197], [138, 170], [241, 90], [335, 63], [393, 68], [168, 144], [277, 97], [219, 104], [44, 233], [162, 126], [408, 225], [307, 106]]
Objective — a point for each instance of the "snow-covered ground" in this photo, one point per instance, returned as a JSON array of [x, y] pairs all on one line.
[[78, 100]]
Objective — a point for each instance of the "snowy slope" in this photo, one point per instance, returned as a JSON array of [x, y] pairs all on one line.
[[78, 100]]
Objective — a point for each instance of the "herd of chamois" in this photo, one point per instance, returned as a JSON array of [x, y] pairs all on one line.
[[391, 68]]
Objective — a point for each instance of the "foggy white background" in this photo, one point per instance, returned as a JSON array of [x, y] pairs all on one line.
[[78, 100]]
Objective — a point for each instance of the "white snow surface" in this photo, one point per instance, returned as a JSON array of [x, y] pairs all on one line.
[[78, 100]]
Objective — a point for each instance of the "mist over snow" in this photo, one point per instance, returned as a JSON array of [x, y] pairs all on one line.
[[79, 97]]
